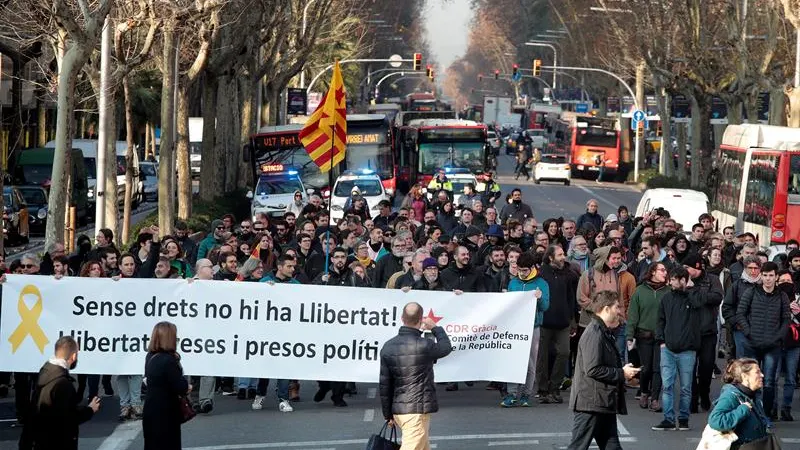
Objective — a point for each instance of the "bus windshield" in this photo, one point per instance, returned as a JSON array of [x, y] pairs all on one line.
[[367, 187], [293, 155], [377, 157], [276, 184], [468, 155], [597, 137]]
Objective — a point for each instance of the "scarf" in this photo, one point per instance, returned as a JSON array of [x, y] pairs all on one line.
[[530, 276], [365, 262], [746, 277], [656, 286], [745, 390]]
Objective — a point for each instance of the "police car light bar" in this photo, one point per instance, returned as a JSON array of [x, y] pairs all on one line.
[[367, 171]]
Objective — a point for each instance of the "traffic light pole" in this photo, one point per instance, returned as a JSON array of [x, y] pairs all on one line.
[[402, 74], [636, 105], [347, 61]]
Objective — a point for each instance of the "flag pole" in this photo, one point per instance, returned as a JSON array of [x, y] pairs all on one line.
[[330, 198]]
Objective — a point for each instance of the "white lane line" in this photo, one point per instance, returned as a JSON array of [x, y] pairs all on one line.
[[122, 437], [372, 392], [599, 197], [509, 443], [8, 420], [369, 415], [791, 440], [621, 428]]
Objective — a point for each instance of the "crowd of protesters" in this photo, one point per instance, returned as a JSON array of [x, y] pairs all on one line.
[[688, 294]]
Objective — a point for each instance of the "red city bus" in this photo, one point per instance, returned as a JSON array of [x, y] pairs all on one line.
[[538, 113], [440, 143], [757, 175], [591, 141], [369, 146], [420, 101]]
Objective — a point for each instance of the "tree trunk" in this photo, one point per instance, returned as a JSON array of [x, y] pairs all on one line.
[[210, 173], [665, 152], [702, 149], [777, 107], [41, 120], [794, 108], [153, 140], [111, 193], [681, 169], [184, 175], [74, 57], [227, 142], [274, 98], [751, 106], [249, 116], [126, 212], [16, 141], [734, 105], [166, 209], [147, 140]]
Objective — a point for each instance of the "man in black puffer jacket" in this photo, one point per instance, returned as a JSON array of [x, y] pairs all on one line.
[[408, 394], [461, 275]]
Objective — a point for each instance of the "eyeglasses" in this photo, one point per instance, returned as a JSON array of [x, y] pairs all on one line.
[[27, 266], [245, 227], [220, 228]]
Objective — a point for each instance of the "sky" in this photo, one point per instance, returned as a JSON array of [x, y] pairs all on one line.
[[447, 27]]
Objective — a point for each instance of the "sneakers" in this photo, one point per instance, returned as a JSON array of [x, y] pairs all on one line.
[[320, 395], [524, 401], [206, 407], [550, 399], [665, 425], [258, 403], [509, 402], [565, 384], [655, 405], [136, 412], [339, 403], [285, 406], [124, 413], [451, 387], [683, 424]]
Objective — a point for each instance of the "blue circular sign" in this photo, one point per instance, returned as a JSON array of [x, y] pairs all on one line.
[[638, 116]]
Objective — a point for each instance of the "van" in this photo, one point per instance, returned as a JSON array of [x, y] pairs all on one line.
[[89, 149], [684, 205], [35, 167]]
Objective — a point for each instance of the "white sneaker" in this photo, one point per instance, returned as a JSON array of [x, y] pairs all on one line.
[[258, 403], [285, 406]]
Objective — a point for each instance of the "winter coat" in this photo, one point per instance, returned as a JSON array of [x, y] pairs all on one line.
[[406, 376], [731, 302], [386, 266], [678, 323], [643, 310], [731, 414], [593, 218], [602, 278], [543, 304], [598, 385], [711, 300], [495, 281], [270, 277], [763, 317], [55, 415], [563, 285], [467, 279], [518, 212], [207, 244], [161, 418]]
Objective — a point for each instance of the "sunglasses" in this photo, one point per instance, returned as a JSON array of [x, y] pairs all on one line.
[[27, 266], [220, 228]]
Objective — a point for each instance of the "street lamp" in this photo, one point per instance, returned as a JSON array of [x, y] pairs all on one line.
[[555, 58], [303, 35]]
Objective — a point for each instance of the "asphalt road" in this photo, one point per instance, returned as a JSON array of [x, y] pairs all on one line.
[[468, 419]]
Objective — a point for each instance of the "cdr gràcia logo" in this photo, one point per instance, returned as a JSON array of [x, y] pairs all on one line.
[[461, 328]]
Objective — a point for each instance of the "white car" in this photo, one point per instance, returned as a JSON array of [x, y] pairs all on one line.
[[369, 185], [458, 179], [684, 205], [275, 190], [553, 167], [149, 177]]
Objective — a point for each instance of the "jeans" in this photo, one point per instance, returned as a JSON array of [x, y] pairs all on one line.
[[130, 390], [530, 379], [676, 365], [600, 427], [768, 359], [650, 376], [248, 383], [282, 389], [740, 343], [622, 346], [790, 358], [548, 380]]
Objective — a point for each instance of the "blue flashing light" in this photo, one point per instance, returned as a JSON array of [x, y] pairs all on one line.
[[367, 171], [292, 172]]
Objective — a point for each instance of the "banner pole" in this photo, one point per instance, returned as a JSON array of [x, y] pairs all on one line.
[[330, 198]]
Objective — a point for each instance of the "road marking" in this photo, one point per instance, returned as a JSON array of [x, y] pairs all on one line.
[[8, 420], [369, 415], [463, 437], [122, 437], [598, 196], [505, 443], [621, 428], [372, 392], [791, 440]]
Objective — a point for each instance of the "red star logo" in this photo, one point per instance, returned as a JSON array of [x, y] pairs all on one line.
[[433, 317], [339, 95]]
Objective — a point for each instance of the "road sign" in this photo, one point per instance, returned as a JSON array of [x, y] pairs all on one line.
[[516, 77], [582, 107], [395, 60], [639, 116]]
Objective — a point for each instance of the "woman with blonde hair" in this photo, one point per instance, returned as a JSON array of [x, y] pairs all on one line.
[[738, 408]]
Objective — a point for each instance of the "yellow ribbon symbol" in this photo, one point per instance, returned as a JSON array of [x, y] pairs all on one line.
[[30, 321]]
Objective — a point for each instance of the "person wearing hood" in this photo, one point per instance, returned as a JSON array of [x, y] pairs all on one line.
[[297, 204], [709, 312], [763, 315], [558, 322], [494, 238], [607, 274], [216, 237], [578, 254], [528, 279], [516, 209], [591, 216], [682, 248], [55, 415], [750, 278], [446, 217], [462, 275], [640, 332]]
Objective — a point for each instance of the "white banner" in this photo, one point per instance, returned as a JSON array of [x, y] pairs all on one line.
[[255, 329]]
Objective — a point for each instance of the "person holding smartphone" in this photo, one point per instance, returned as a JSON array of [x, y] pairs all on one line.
[[598, 386]]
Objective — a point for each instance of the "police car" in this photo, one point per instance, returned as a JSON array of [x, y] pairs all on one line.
[[458, 178], [275, 190], [369, 187]]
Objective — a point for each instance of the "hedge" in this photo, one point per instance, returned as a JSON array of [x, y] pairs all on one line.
[[203, 213]]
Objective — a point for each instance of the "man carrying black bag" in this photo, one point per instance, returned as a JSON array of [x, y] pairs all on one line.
[[408, 394]]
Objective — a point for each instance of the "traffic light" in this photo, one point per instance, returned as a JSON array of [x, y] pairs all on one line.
[[429, 71], [417, 61], [537, 67], [496, 74], [514, 69]]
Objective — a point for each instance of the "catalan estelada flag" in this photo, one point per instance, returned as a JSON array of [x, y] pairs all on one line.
[[254, 255], [325, 134]]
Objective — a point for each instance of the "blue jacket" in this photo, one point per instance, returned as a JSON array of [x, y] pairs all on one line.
[[517, 285], [730, 414]]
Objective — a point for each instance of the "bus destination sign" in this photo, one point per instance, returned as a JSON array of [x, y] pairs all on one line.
[[281, 140], [366, 138]]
